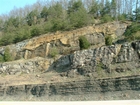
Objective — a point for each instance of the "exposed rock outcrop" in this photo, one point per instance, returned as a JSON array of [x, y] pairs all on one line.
[[118, 58], [101, 69], [64, 41], [72, 87], [25, 66]]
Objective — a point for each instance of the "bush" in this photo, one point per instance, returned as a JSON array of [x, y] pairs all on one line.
[[35, 32], [122, 17], [108, 40], [48, 26], [1, 59], [7, 55], [6, 39], [53, 52], [84, 43], [106, 18], [132, 32]]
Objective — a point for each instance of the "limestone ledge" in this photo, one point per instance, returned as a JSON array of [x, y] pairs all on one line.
[[18, 67], [109, 58], [64, 41]]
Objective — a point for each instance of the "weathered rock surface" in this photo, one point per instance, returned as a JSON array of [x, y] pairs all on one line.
[[101, 69], [64, 41], [25, 66], [73, 87], [118, 58]]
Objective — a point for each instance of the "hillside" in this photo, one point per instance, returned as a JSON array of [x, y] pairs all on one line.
[[71, 50], [53, 65]]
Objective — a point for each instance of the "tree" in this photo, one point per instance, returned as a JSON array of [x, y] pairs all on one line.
[[44, 13], [55, 11], [6, 39], [137, 14], [55, 17], [107, 9], [32, 18], [35, 32], [77, 14], [113, 8], [1, 24], [11, 24], [94, 9]]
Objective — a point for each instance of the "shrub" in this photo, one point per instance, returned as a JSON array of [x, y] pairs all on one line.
[[108, 40], [53, 52], [1, 59], [6, 39], [122, 17], [132, 32], [35, 32], [7, 55], [84, 43], [106, 18]]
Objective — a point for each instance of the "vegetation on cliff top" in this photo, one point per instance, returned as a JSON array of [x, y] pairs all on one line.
[[132, 32], [50, 16]]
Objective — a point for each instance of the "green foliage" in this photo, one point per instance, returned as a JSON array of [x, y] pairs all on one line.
[[113, 8], [25, 23], [77, 14], [106, 18], [32, 18], [99, 66], [108, 12], [55, 18], [95, 7], [84, 43], [132, 32], [6, 39], [1, 59], [48, 26], [44, 13], [35, 32], [12, 22], [57, 25], [132, 29], [7, 55], [122, 17], [107, 9], [108, 40], [100, 69], [53, 52], [137, 14]]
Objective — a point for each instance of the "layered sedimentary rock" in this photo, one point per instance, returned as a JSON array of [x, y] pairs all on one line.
[[101, 69], [72, 87], [25, 66], [119, 58], [64, 41]]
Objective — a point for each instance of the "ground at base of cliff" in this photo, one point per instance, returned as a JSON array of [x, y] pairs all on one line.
[[97, 96], [54, 77]]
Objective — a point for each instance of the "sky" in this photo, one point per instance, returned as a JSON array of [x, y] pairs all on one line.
[[7, 5]]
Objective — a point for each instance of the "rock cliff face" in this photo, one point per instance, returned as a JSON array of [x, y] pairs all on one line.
[[115, 58], [25, 66], [74, 87], [64, 41], [98, 69]]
